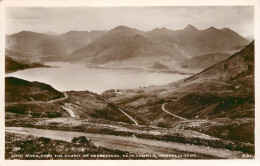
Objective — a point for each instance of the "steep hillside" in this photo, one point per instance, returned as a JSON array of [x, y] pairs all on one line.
[[29, 91], [204, 61], [219, 101], [239, 65]]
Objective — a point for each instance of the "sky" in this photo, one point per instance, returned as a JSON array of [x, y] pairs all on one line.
[[64, 19]]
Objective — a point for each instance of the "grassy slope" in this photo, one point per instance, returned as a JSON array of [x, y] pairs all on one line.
[[29, 91], [204, 61], [225, 90]]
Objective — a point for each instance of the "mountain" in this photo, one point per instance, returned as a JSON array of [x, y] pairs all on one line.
[[77, 39], [131, 47], [18, 56], [237, 66], [29, 91], [49, 47], [204, 61], [12, 65], [126, 47], [212, 40], [15, 61]]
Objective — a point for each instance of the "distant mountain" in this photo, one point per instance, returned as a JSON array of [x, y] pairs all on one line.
[[15, 61], [78, 39], [29, 91], [131, 47], [204, 61], [17, 56], [196, 42], [49, 47], [126, 47], [12, 65]]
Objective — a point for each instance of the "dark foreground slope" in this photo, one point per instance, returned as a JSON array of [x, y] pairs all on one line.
[[25, 99], [18, 90]]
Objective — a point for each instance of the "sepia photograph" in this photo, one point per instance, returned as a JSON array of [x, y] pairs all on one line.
[[129, 83]]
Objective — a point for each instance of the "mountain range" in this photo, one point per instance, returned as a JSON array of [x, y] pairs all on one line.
[[49, 47], [126, 47]]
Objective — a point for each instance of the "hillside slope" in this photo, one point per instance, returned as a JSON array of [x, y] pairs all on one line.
[[204, 61], [238, 65], [219, 101], [29, 91]]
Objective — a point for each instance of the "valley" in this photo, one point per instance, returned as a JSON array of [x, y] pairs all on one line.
[[207, 115]]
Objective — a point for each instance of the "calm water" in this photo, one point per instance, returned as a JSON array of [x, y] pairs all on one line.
[[66, 76]]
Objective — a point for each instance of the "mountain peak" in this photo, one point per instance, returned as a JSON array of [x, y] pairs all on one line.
[[211, 28], [121, 27], [190, 27], [160, 29], [124, 30], [28, 33], [227, 30]]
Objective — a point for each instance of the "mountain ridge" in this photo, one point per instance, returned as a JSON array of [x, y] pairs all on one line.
[[160, 45]]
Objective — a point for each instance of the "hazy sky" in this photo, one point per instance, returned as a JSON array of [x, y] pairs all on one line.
[[60, 20]]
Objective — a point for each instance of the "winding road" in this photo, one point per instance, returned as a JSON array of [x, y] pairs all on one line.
[[120, 109], [38, 102], [162, 98], [55, 100], [165, 110]]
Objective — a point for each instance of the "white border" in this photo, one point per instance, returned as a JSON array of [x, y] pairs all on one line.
[[70, 3]]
